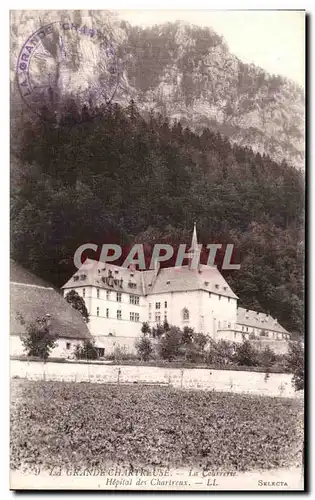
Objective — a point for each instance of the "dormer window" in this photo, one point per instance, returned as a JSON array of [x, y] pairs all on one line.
[[75, 278], [168, 282], [83, 276], [217, 286], [116, 272], [206, 283]]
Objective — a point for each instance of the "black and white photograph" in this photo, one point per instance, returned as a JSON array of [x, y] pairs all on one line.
[[157, 250]]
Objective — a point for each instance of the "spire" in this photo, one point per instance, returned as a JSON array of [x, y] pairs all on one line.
[[194, 251], [194, 241]]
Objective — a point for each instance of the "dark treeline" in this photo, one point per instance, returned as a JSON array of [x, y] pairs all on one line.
[[120, 178]]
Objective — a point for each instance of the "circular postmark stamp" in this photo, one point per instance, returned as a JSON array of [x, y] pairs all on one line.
[[63, 60]]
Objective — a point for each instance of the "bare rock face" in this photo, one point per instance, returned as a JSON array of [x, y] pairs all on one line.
[[184, 72]]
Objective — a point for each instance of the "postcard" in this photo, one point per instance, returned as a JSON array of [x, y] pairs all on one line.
[[157, 250]]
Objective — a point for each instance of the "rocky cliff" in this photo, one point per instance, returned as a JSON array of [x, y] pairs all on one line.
[[185, 72]]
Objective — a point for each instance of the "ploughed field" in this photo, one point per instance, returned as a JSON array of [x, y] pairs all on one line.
[[92, 425]]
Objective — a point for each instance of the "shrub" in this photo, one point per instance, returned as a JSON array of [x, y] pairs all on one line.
[[170, 343], [145, 329], [87, 350], [144, 348], [220, 352], [157, 331], [267, 357], [295, 364], [246, 354]]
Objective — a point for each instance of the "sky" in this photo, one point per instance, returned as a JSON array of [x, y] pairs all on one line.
[[273, 40]]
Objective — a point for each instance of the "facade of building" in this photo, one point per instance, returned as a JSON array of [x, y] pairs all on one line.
[[120, 299], [33, 298]]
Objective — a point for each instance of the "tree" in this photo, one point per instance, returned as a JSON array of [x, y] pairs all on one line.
[[295, 364], [145, 329], [87, 350], [144, 348], [246, 354], [38, 340], [77, 302], [170, 343]]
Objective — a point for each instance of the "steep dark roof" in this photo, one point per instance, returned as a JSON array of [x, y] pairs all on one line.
[[32, 298]]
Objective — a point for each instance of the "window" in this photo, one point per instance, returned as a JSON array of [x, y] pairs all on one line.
[[228, 299], [219, 324], [101, 351], [219, 297], [107, 313], [242, 328], [158, 317], [185, 314], [83, 292], [150, 305], [134, 299], [97, 311], [107, 294], [150, 316], [165, 304], [118, 296], [134, 316], [229, 325], [165, 316], [98, 293], [118, 314], [247, 328], [158, 305], [68, 345]]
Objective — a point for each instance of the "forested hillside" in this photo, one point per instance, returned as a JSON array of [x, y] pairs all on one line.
[[120, 178]]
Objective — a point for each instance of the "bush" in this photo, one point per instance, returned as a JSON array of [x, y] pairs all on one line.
[[295, 364], [170, 343], [144, 348], [246, 354], [267, 357], [221, 352], [87, 350]]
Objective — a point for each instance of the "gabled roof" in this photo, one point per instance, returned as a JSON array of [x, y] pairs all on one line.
[[256, 319], [169, 279], [182, 279], [32, 298], [95, 273]]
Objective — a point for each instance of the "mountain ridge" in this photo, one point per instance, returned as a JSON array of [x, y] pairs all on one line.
[[188, 74]]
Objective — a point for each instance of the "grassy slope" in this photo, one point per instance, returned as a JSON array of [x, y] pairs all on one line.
[[68, 424]]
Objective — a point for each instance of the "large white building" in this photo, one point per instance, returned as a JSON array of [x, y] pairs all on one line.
[[120, 299]]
